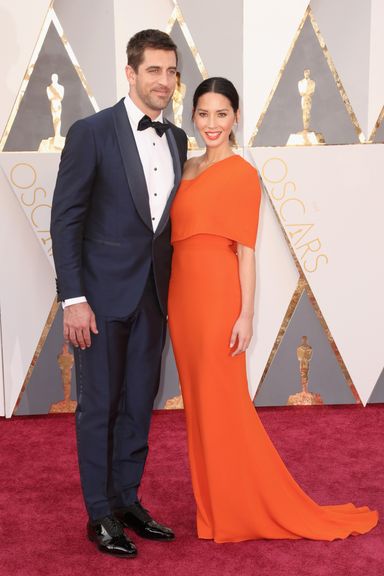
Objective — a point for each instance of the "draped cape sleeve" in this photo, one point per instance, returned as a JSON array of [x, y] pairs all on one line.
[[223, 200]]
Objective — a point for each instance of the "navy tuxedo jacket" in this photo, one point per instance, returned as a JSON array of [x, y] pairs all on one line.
[[101, 228]]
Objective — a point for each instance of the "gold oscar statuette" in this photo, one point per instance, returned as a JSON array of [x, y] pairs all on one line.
[[175, 403], [177, 108], [304, 398], [55, 94], [177, 101], [306, 137], [65, 361], [192, 143]]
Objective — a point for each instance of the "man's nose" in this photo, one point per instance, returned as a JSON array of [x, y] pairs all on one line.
[[164, 79]]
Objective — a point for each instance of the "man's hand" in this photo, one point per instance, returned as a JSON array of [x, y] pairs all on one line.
[[79, 322]]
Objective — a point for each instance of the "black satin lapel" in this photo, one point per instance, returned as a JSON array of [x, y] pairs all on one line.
[[177, 171], [132, 163]]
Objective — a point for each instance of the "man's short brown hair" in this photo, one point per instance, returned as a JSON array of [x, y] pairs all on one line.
[[155, 39]]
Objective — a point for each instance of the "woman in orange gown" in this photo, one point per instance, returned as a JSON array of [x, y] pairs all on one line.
[[242, 488]]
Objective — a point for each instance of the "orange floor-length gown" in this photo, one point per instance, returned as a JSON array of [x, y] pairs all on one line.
[[242, 488]]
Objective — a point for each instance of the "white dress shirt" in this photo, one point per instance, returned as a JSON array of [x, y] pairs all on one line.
[[156, 160], [157, 164]]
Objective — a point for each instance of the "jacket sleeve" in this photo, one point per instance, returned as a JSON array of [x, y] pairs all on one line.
[[71, 200]]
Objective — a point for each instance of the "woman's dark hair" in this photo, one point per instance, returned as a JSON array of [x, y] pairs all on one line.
[[218, 85], [148, 39]]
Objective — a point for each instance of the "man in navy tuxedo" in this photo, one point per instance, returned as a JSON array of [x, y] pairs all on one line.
[[110, 228]]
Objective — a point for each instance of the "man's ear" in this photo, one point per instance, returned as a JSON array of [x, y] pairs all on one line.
[[130, 74]]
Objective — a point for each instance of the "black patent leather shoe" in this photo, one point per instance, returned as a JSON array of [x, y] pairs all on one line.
[[108, 535], [139, 519]]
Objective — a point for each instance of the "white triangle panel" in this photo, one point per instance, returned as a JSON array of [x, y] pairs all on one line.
[[27, 291], [276, 281], [330, 202], [32, 177], [269, 30], [20, 26], [346, 29], [98, 51], [2, 391]]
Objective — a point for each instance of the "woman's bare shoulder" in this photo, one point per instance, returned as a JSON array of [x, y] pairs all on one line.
[[191, 166]]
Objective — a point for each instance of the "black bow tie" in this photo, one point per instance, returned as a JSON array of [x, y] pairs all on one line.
[[146, 122]]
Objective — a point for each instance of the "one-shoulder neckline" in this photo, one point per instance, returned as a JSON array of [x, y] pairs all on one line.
[[211, 166]]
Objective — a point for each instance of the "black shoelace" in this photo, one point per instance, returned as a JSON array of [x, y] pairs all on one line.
[[112, 526], [140, 512]]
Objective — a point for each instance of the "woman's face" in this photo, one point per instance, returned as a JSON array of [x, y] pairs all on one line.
[[214, 118]]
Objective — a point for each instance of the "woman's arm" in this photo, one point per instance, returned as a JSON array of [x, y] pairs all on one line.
[[242, 330]]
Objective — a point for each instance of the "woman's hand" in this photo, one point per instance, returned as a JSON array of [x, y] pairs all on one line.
[[241, 334], [243, 328]]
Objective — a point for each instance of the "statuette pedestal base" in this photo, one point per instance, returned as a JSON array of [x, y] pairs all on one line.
[[304, 399], [175, 403], [52, 144], [63, 407], [306, 138]]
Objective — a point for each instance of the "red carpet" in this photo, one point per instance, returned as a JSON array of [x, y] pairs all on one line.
[[336, 453]]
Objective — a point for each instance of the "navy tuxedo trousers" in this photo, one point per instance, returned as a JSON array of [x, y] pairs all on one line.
[[117, 381]]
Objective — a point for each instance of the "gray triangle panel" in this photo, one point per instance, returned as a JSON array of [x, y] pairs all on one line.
[[169, 379], [190, 76], [325, 375], [45, 386], [329, 115], [33, 122], [377, 395], [379, 135]]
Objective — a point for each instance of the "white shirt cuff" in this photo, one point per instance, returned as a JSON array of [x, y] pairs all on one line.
[[71, 301]]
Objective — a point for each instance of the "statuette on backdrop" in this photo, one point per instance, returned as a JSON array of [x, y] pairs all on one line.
[[178, 107], [65, 361], [192, 143], [175, 403], [55, 94], [304, 355], [306, 137], [178, 101]]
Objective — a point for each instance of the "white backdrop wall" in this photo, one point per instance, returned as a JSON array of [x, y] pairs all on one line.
[[20, 23], [263, 46], [2, 397]]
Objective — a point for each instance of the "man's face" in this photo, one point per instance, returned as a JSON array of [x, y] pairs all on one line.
[[152, 85]]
